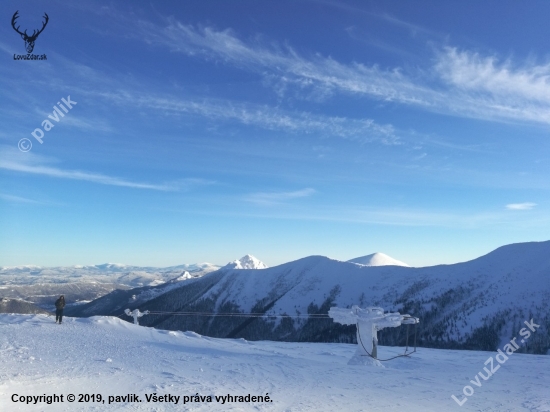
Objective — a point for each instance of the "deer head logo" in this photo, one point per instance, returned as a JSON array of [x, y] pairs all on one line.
[[29, 40]]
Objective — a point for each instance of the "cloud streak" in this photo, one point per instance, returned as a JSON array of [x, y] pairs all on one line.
[[459, 83], [521, 206], [270, 118], [484, 87], [317, 71], [17, 199], [388, 217], [276, 198], [11, 159]]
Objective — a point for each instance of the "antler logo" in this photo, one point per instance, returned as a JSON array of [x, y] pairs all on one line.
[[29, 40]]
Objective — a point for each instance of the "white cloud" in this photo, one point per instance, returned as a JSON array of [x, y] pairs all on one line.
[[521, 206], [316, 71], [16, 199], [420, 156], [270, 118], [14, 160], [460, 82], [272, 198], [484, 88], [471, 71], [392, 217]]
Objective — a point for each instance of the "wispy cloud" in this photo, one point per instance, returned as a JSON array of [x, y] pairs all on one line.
[[97, 125], [521, 206], [274, 198], [12, 159], [270, 118], [481, 86], [459, 83], [315, 71], [414, 29], [385, 216], [471, 71], [16, 199]]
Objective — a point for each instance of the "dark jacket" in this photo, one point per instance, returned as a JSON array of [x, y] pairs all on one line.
[[60, 303]]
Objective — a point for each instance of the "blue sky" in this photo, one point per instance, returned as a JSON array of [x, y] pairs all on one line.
[[203, 131]]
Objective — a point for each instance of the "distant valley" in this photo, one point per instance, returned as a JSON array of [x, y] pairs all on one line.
[[80, 284]]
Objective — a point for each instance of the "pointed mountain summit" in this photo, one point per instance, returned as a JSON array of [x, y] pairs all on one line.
[[377, 259], [246, 262]]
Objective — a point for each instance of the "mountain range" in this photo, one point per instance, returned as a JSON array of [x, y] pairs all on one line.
[[20, 306], [43, 285], [477, 304]]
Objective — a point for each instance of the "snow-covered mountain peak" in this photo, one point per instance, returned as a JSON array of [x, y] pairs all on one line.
[[247, 262], [377, 259], [184, 276]]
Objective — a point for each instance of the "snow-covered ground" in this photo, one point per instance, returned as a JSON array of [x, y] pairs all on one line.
[[110, 357]]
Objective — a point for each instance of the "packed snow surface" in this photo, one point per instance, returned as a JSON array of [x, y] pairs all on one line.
[[110, 357], [377, 259]]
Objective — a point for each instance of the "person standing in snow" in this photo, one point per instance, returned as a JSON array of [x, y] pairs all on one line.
[[59, 305]]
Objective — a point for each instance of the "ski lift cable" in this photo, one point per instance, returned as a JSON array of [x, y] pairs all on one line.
[[240, 314], [310, 316]]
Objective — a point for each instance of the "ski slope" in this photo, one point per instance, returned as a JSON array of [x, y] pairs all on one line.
[[108, 356]]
